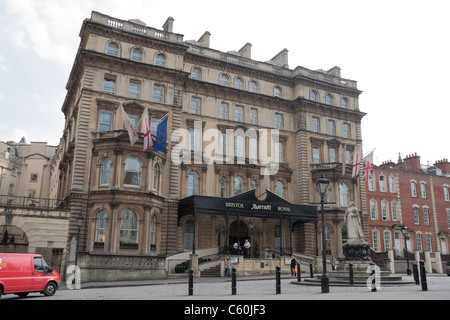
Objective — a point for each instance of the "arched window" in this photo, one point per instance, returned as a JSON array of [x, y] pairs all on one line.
[[196, 74], [279, 189], [279, 236], [156, 176], [327, 240], [153, 234], [133, 171], [277, 92], [344, 195], [160, 60], [313, 95], [100, 228], [223, 187], [192, 185], [113, 49], [105, 172], [329, 99], [344, 103], [129, 229], [239, 83], [223, 80], [189, 233], [137, 55], [253, 86], [238, 185]]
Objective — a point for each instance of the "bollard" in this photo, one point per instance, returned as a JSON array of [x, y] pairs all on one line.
[[423, 277], [299, 277], [233, 281], [191, 282], [311, 271], [278, 280], [350, 273], [374, 282], [416, 273]]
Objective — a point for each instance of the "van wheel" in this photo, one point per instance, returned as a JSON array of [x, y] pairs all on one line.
[[50, 289]]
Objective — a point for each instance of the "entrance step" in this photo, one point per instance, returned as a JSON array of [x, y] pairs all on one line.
[[211, 272]]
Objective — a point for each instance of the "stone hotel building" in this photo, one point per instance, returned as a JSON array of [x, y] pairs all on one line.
[[246, 143]]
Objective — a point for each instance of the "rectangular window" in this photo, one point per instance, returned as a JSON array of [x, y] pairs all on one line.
[[346, 130], [239, 114], [224, 111], [316, 155], [195, 105], [34, 177], [392, 184], [315, 124], [419, 242], [279, 121], [423, 190], [426, 217], [382, 183], [413, 189], [253, 116], [331, 128], [332, 155], [416, 215], [446, 194], [158, 93], [394, 211], [279, 153], [105, 121], [135, 90], [109, 84]]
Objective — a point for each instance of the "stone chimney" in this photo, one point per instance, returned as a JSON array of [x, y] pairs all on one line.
[[246, 51], [443, 164], [204, 39], [281, 59], [168, 25]]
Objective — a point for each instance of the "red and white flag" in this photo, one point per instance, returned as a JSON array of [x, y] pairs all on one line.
[[356, 162], [129, 126], [147, 130]]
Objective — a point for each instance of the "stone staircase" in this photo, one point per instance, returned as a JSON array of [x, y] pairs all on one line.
[[213, 271]]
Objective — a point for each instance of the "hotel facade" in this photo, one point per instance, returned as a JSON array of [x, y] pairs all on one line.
[[246, 143]]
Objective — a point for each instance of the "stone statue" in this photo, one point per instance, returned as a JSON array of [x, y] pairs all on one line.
[[354, 228]]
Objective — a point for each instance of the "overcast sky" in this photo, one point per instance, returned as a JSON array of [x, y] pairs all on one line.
[[398, 52]]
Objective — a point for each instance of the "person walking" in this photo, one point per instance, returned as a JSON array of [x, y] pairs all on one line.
[[293, 266], [227, 267], [247, 249]]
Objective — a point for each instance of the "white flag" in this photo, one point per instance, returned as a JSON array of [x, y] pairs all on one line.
[[147, 130], [129, 126]]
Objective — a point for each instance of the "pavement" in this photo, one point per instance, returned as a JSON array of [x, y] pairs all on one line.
[[438, 289]]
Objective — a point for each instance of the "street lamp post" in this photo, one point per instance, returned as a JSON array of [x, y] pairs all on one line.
[[404, 230], [322, 186]]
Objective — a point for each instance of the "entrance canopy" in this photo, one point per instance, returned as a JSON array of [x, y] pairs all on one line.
[[246, 204]]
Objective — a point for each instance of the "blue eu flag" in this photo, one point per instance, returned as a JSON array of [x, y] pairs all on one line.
[[161, 136]]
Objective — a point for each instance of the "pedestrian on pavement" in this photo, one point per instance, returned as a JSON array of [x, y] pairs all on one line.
[[247, 248], [333, 263], [293, 266], [227, 267]]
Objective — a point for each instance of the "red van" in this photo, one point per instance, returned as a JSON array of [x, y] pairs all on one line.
[[25, 273]]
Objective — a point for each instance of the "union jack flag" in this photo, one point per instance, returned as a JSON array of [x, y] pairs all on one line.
[[368, 166]]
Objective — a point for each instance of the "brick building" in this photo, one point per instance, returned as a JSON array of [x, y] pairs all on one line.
[[416, 196]]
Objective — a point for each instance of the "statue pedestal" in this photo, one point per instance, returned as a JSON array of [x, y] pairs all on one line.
[[359, 251], [358, 254]]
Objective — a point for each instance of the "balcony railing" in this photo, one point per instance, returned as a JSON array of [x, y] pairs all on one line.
[[28, 202]]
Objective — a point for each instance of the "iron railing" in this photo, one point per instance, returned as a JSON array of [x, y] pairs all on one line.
[[28, 202]]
